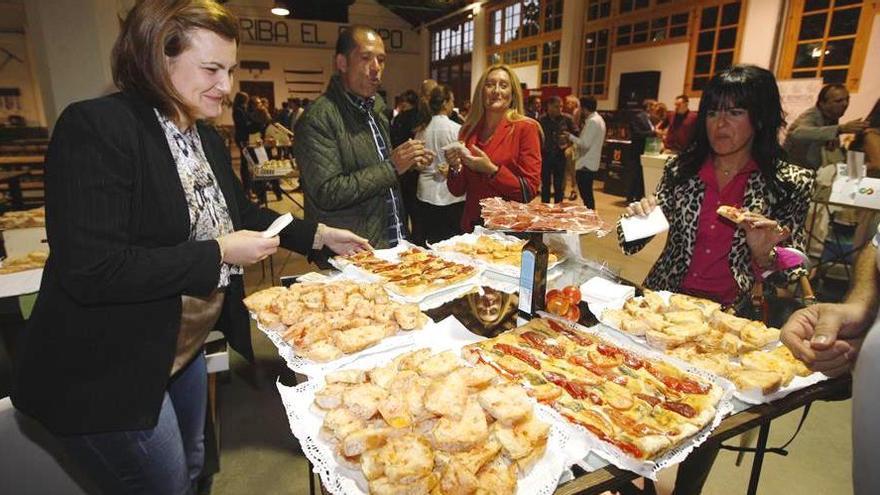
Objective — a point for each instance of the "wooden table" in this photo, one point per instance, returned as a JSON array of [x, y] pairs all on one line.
[[31, 187], [13, 178], [609, 477], [8, 161]]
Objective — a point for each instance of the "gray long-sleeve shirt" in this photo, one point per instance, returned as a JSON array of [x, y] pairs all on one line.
[[806, 137]]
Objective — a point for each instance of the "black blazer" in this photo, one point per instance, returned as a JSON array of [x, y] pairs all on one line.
[[99, 346]]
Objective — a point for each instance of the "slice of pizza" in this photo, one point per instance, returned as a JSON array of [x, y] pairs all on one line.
[[732, 213]]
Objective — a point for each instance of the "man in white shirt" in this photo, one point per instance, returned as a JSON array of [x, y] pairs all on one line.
[[588, 149], [438, 212], [838, 338]]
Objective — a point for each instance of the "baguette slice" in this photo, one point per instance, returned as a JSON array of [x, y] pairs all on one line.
[[765, 361], [684, 317], [758, 335], [663, 340], [728, 322]]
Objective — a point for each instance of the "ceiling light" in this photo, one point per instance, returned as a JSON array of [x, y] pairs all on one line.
[[280, 9]]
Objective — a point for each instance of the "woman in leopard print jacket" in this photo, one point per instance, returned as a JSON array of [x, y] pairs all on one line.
[[735, 160]]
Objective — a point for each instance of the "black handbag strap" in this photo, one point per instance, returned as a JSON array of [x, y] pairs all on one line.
[[524, 189]]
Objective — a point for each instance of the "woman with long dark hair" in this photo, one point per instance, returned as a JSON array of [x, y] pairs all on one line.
[[735, 160]]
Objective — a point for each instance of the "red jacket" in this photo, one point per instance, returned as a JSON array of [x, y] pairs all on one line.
[[679, 135], [515, 148]]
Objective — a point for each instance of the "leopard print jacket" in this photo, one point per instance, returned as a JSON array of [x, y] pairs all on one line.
[[788, 205]]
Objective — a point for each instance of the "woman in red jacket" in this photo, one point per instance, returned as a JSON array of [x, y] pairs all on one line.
[[504, 145]]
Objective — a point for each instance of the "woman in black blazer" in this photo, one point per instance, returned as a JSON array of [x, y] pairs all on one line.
[[146, 224]]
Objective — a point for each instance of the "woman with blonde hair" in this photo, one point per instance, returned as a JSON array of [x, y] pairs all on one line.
[[503, 147]]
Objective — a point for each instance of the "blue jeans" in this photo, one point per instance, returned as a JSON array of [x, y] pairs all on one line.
[[166, 459]]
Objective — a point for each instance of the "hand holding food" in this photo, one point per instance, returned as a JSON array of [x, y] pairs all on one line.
[[827, 337], [342, 241], [642, 208], [408, 154], [480, 162]]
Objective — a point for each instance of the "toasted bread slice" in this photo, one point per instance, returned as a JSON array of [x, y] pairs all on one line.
[[663, 340], [758, 335], [684, 317], [727, 322], [766, 361], [798, 366], [765, 381]]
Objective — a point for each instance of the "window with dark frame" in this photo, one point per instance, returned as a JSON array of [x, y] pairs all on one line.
[[824, 39], [550, 63], [715, 45], [598, 9], [523, 19], [657, 30], [594, 73], [451, 46]]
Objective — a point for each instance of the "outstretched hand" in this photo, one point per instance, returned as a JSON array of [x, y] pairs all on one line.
[[827, 337], [343, 242]]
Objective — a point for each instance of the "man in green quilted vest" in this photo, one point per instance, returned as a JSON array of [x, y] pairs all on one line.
[[342, 146]]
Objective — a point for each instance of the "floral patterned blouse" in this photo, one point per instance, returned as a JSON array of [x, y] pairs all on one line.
[[208, 213]]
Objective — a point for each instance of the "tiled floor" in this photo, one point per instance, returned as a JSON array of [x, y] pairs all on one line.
[[259, 454]]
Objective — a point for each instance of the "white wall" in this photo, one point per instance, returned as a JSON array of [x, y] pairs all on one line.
[[406, 65], [478, 57], [17, 74], [760, 32], [670, 60], [529, 74], [570, 46], [861, 102], [71, 64]]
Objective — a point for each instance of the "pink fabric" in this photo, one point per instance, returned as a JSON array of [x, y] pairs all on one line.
[[709, 274]]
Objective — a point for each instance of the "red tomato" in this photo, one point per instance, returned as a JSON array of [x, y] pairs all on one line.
[[558, 305], [552, 294], [572, 293], [573, 313]]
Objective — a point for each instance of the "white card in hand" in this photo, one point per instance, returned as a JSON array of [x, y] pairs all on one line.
[[639, 227], [278, 225], [458, 146]]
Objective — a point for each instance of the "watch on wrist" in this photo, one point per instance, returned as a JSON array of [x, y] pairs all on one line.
[[318, 242], [771, 259]]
